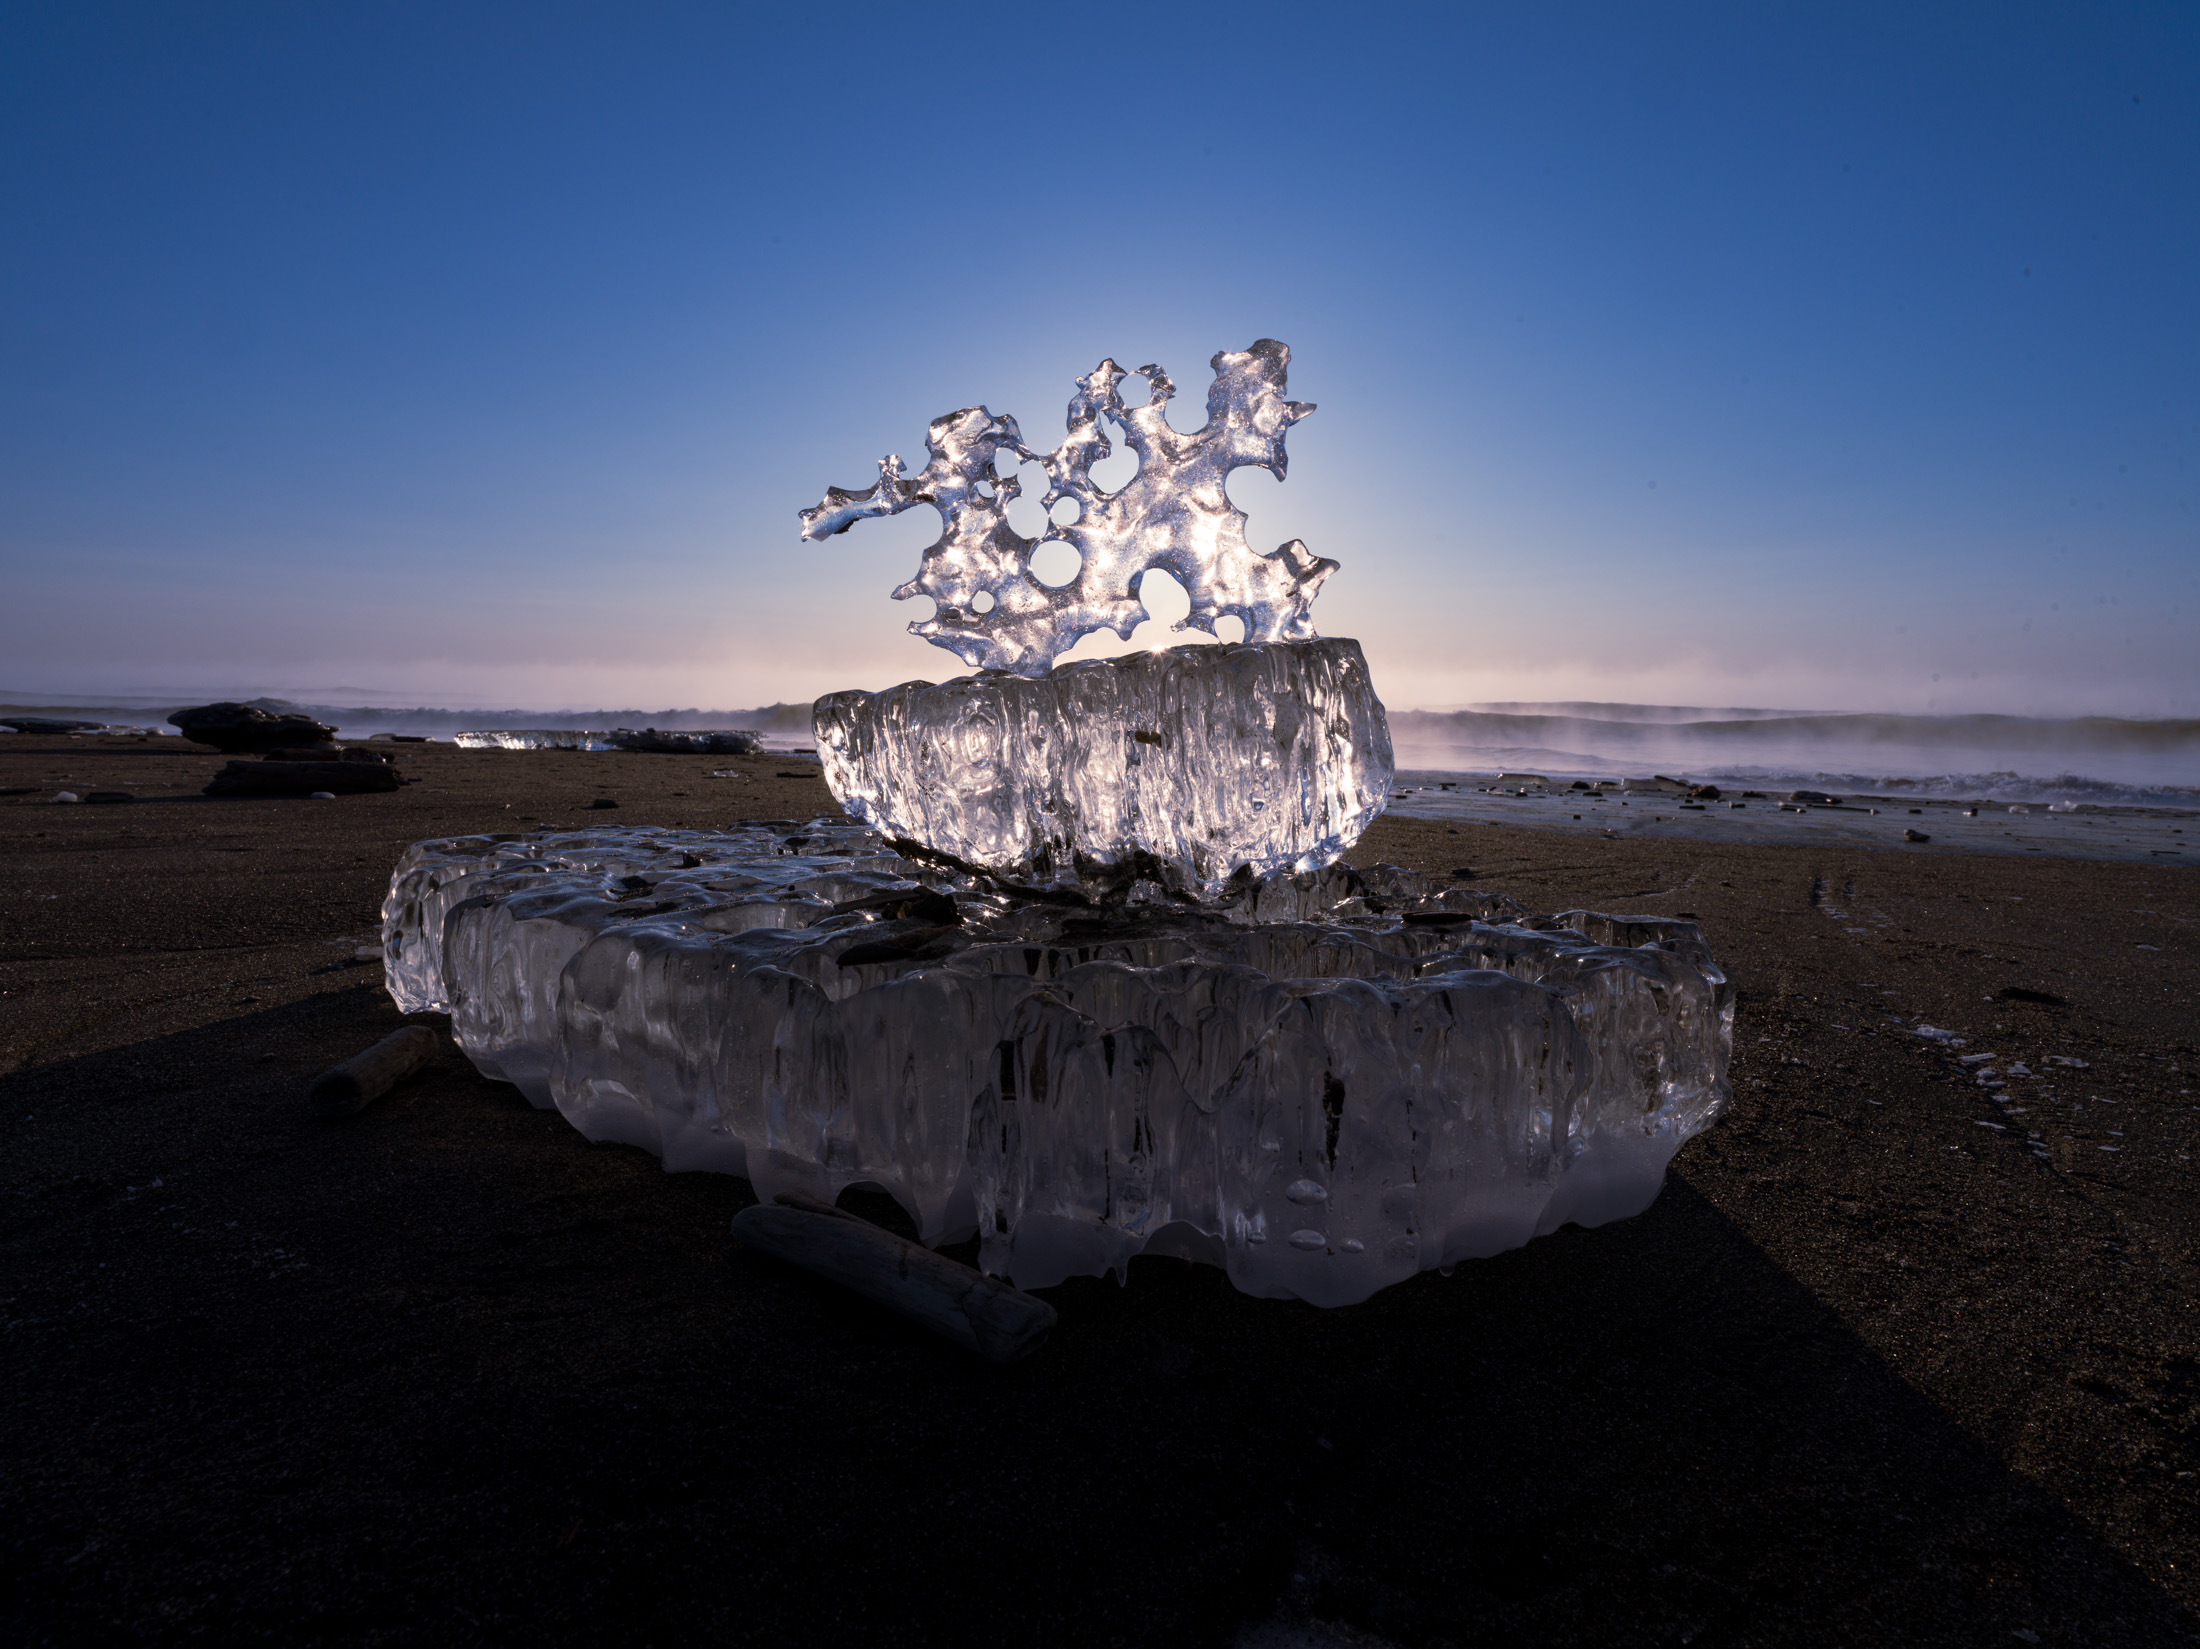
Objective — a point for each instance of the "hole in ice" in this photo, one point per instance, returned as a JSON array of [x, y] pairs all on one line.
[[1055, 564], [982, 602], [1066, 512], [1025, 517], [984, 489], [1025, 513], [1259, 483], [1230, 628], [1116, 471], [1166, 603]]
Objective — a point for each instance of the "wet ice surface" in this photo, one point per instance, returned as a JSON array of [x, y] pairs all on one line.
[[1338, 1082], [1185, 767], [2114, 833]]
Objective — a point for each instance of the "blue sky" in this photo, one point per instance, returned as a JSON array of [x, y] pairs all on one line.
[[478, 355]]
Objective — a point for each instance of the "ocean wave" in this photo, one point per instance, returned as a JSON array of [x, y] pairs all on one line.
[[2103, 759], [2179, 734], [2002, 785]]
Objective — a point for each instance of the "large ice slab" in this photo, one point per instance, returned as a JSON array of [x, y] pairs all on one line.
[[1186, 768], [1397, 1079]]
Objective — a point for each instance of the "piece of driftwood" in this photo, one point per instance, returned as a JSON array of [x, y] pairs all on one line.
[[290, 778], [365, 1078], [977, 1312]]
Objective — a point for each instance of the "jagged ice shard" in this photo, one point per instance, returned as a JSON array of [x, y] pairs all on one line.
[[1085, 975]]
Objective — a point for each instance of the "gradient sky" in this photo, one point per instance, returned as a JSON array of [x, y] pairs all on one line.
[[1830, 357]]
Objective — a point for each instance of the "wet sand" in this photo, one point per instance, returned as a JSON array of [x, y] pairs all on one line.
[[1905, 1353]]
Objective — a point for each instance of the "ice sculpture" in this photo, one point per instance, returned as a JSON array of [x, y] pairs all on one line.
[[1404, 1078], [1186, 768], [1174, 514], [1085, 974]]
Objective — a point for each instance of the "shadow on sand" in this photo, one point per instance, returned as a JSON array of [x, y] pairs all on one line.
[[445, 1372]]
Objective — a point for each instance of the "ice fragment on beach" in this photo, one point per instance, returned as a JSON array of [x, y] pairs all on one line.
[[1186, 767], [1933, 1034], [1323, 1106], [723, 741], [1175, 514]]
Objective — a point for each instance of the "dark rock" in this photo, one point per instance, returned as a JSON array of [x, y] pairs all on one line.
[[291, 778], [1817, 798], [327, 753], [1915, 836], [237, 729], [1704, 793], [2018, 993], [602, 801], [110, 796]]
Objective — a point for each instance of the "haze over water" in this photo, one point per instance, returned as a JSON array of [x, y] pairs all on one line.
[[1998, 758]]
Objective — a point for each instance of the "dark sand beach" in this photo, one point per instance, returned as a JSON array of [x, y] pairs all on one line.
[[1900, 1356]]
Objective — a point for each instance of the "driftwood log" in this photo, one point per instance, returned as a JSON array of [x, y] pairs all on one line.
[[294, 778], [365, 1078], [977, 1312]]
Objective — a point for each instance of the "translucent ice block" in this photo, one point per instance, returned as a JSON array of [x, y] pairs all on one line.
[[1185, 767], [722, 741], [1323, 1105]]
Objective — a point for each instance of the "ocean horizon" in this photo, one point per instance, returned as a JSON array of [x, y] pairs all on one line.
[[2139, 761]]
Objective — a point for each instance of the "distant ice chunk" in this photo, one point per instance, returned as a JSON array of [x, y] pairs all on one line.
[[725, 741], [1323, 1104], [1186, 767]]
